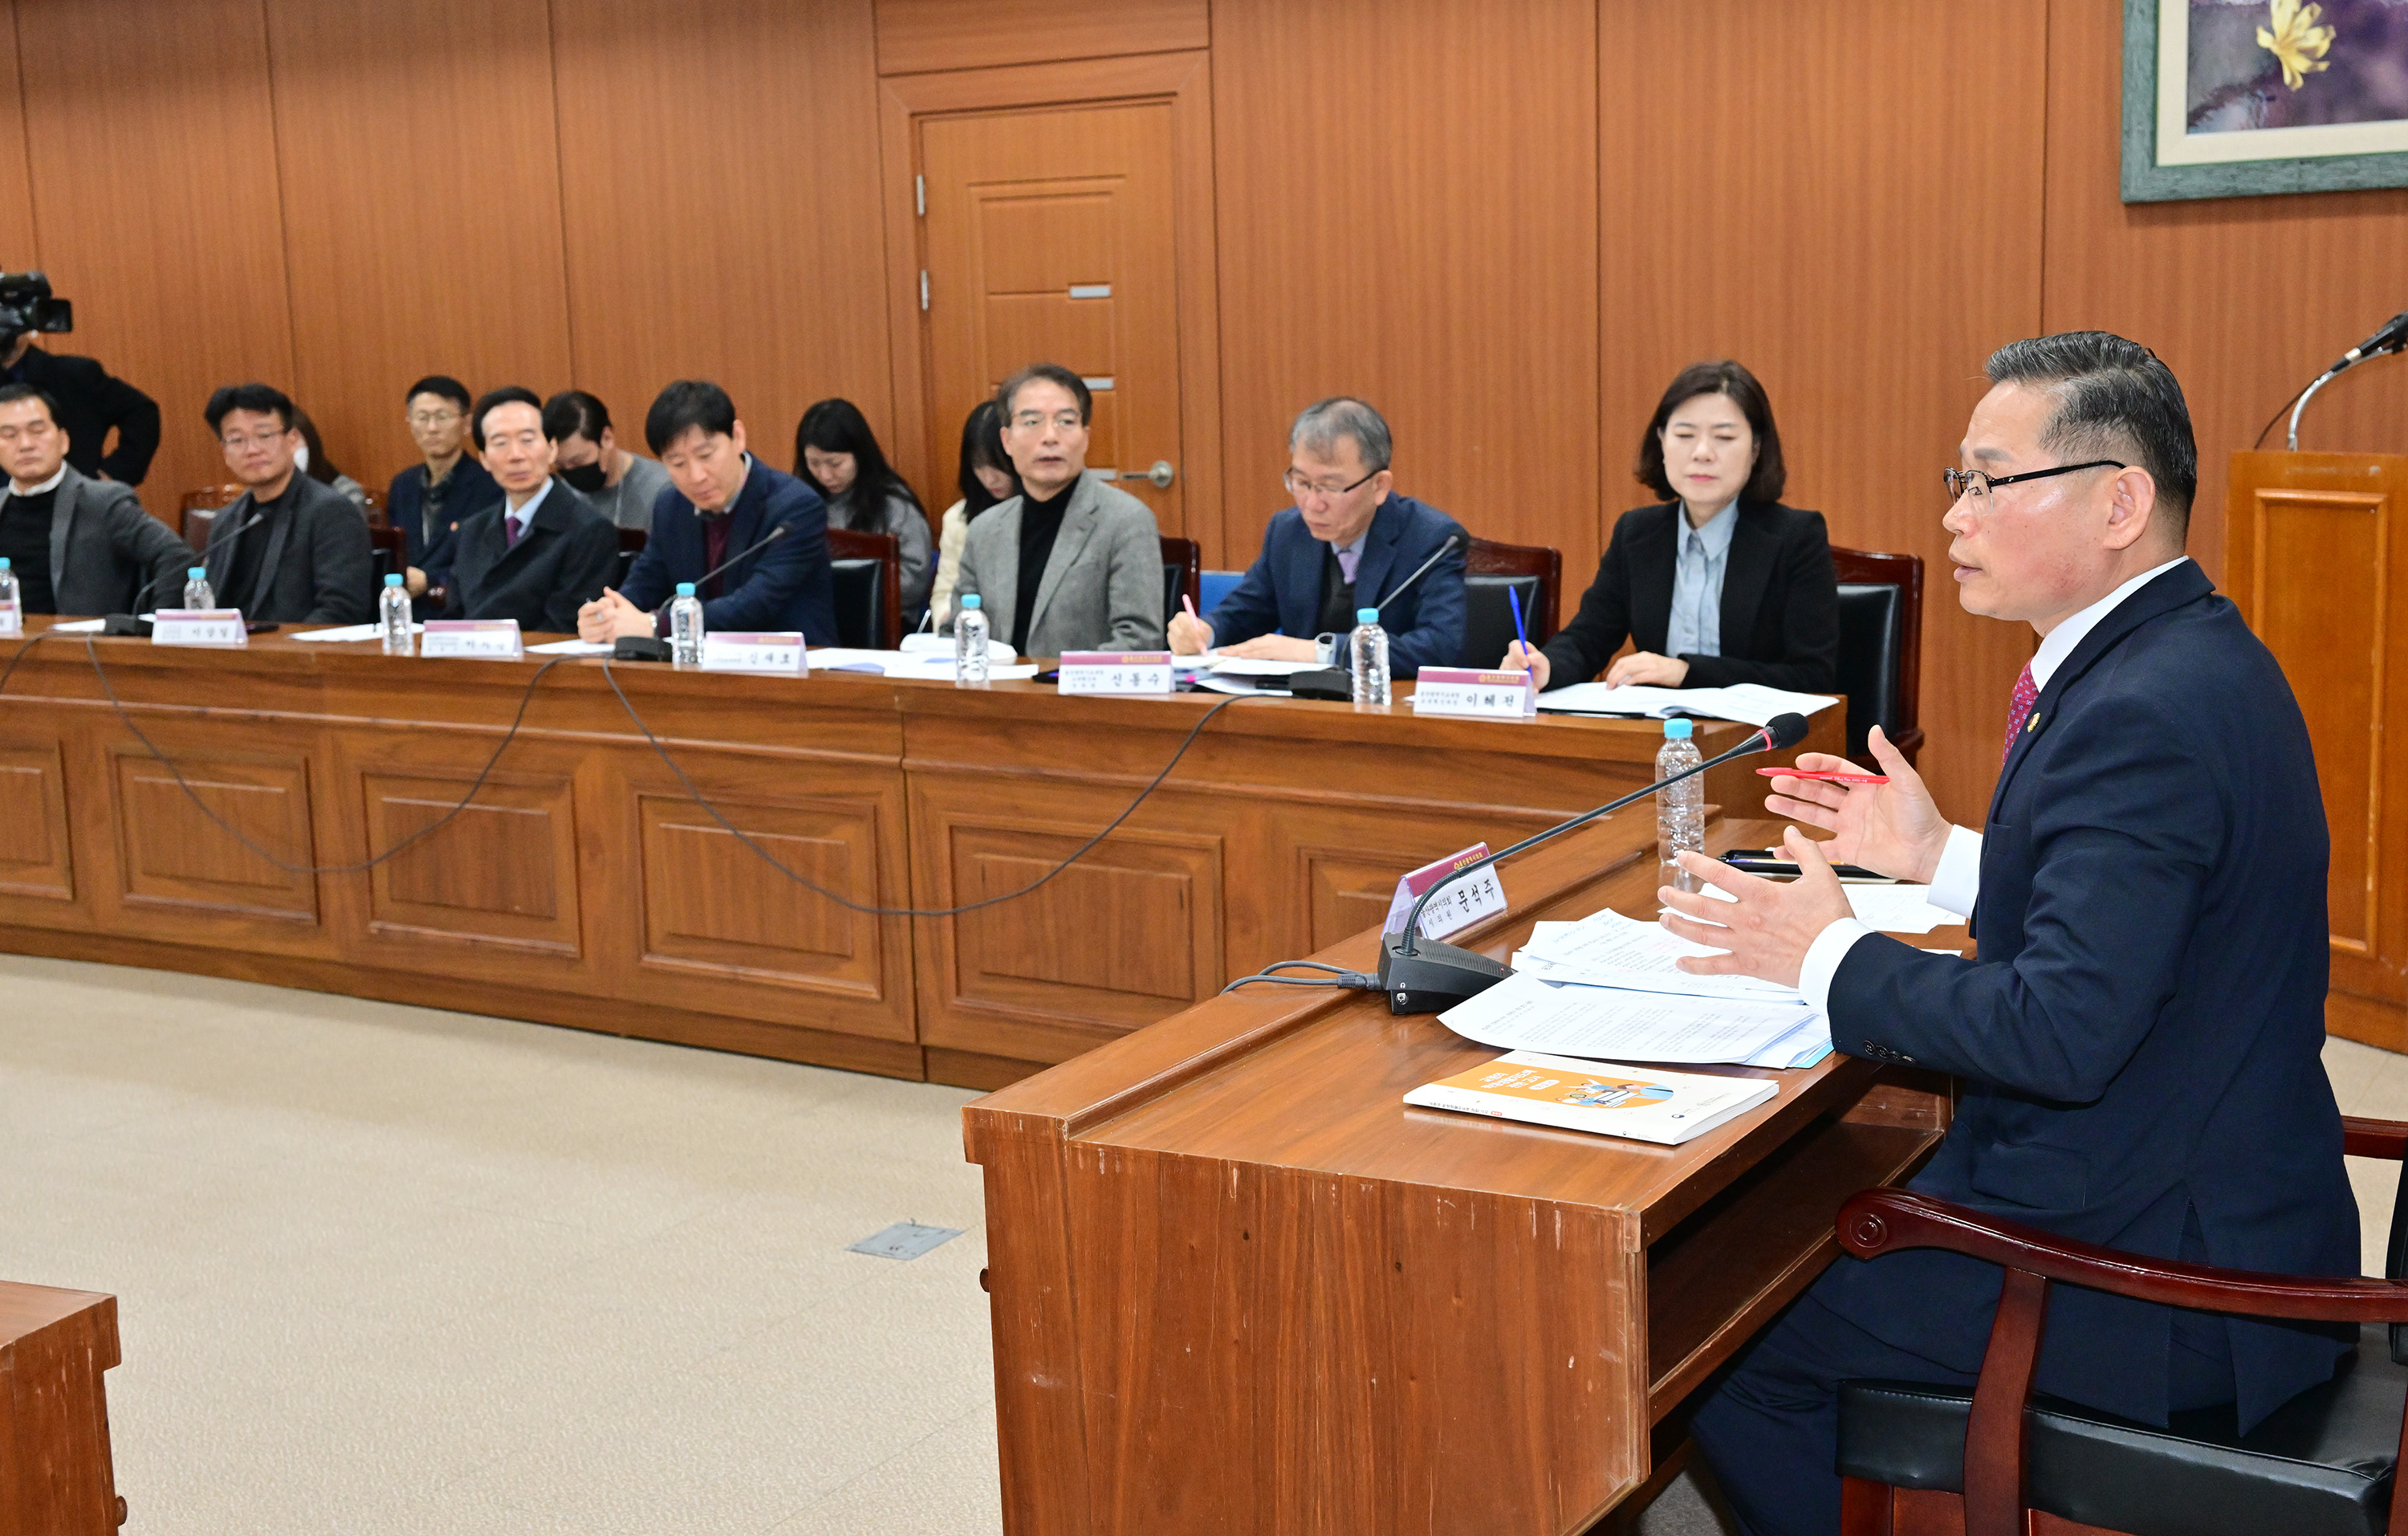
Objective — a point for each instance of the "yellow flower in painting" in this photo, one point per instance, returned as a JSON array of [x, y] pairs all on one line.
[[2297, 42]]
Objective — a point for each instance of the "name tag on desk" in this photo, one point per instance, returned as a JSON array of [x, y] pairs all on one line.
[[484, 639], [1116, 672], [198, 626], [12, 620], [1489, 696], [1455, 908], [742, 650]]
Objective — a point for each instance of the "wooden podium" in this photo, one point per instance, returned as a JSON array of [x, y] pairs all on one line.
[[1241, 1289], [2318, 558]]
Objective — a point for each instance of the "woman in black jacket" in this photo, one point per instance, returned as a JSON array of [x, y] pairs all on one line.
[[1721, 584]]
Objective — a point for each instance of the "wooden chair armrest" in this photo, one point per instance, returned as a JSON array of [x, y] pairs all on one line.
[[1879, 1221], [2364, 1138]]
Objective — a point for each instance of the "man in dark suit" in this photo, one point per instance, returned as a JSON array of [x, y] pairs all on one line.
[[428, 502], [542, 553], [721, 503], [1346, 544], [77, 545], [289, 551], [90, 405], [2138, 1041]]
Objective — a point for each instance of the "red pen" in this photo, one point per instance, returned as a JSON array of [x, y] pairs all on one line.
[[1828, 778]]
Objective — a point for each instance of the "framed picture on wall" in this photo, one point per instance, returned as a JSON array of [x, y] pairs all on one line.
[[2236, 98]]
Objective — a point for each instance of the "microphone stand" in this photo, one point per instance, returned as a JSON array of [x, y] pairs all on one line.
[[1424, 976], [651, 647], [127, 624], [1336, 684]]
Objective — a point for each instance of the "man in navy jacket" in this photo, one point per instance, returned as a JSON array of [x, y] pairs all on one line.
[[2138, 1040], [1348, 543], [721, 503], [428, 502]]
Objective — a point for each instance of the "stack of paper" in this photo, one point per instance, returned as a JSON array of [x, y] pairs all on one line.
[[1750, 702], [926, 657]]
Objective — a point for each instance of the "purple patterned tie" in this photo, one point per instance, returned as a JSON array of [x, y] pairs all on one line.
[[1347, 561], [2019, 709], [512, 530]]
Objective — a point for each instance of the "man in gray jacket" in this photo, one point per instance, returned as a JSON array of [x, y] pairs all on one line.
[[289, 551], [1074, 564], [77, 546]]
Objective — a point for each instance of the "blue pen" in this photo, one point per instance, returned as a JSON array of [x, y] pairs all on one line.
[[1519, 633]]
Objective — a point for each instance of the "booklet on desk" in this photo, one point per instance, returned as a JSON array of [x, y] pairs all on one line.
[[1643, 1103]]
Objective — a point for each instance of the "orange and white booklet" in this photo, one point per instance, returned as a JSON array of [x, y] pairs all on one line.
[[1642, 1102]]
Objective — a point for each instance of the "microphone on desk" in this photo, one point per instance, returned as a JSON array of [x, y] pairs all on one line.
[[1336, 684], [126, 623], [771, 538], [1424, 976], [1443, 550], [653, 648]]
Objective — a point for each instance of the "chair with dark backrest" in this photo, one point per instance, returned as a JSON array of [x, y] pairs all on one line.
[[377, 516], [631, 544], [201, 509], [1183, 575], [868, 590], [1880, 647], [1534, 573], [392, 551], [1916, 1458]]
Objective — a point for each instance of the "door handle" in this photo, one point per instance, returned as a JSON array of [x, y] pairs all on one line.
[[1162, 474]]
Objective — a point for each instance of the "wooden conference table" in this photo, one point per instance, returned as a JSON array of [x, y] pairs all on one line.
[[1240, 1289], [584, 886]]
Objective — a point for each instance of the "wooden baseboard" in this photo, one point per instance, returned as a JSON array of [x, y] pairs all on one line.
[[2372, 1021], [969, 1069]]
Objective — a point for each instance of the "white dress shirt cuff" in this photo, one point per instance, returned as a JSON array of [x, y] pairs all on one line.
[[1958, 879], [1822, 963]]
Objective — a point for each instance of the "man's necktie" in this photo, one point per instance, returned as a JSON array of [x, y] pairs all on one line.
[[2019, 709], [512, 529]]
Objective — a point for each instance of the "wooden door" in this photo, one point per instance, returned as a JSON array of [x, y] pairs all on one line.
[[1050, 238]]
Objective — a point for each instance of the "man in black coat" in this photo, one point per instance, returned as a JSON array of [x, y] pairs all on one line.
[[289, 551], [77, 545], [430, 501], [544, 551], [2139, 1039], [90, 405]]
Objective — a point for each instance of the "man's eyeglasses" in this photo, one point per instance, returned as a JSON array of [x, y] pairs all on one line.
[[1299, 487], [1029, 421], [238, 443], [433, 418], [1975, 483]]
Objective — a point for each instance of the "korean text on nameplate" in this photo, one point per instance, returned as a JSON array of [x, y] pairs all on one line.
[[1491, 695], [489, 639], [198, 626], [1116, 672], [744, 651], [1458, 905]]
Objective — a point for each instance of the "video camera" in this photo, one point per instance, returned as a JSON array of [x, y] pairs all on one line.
[[26, 305]]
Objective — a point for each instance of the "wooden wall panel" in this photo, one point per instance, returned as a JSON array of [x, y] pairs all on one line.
[[1861, 245], [719, 185], [921, 34], [421, 208], [1406, 205], [20, 247], [2245, 298], [154, 169]]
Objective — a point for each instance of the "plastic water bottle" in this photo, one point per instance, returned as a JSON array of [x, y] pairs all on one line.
[[1681, 809], [969, 644], [685, 626], [393, 615], [197, 596], [9, 593], [1368, 646]]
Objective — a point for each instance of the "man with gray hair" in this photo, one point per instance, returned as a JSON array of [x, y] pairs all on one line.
[[2137, 1039], [1348, 543]]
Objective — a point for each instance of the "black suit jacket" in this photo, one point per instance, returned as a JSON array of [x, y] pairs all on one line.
[[1780, 609], [91, 402], [560, 564], [2139, 1040], [318, 566], [788, 585], [470, 492]]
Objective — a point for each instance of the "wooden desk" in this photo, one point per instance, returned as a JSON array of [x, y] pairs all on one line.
[[1238, 1287], [55, 1477], [584, 888]]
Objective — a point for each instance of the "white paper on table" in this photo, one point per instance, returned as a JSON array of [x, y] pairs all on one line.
[[1897, 908], [354, 632], [1227, 685], [927, 664], [1752, 703], [80, 627], [1256, 666], [1524, 1014], [998, 654], [550, 648], [1607, 949], [1803, 1046]]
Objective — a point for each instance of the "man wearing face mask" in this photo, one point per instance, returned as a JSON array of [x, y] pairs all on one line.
[[620, 485], [542, 553]]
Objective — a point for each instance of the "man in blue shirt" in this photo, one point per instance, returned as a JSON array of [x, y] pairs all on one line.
[[1349, 542]]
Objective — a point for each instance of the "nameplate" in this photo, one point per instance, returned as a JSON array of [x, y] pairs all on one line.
[[1459, 905], [12, 619], [484, 639], [1490, 696], [1116, 672], [198, 626], [740, 651]]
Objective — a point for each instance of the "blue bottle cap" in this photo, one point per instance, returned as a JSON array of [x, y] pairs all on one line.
[[195, 573], [393, 581], [1367, 615], [685, 589], [1677, 730], [3, 562], [971, 602]]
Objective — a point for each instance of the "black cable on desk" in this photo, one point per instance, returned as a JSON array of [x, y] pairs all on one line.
[[31, 641]]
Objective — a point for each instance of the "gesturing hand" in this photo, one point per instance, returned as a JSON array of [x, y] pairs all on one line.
[[1770, 925], [1893, 829]]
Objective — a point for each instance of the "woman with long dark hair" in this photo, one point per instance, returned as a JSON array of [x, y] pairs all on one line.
[[837, 454], [986, 480]]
